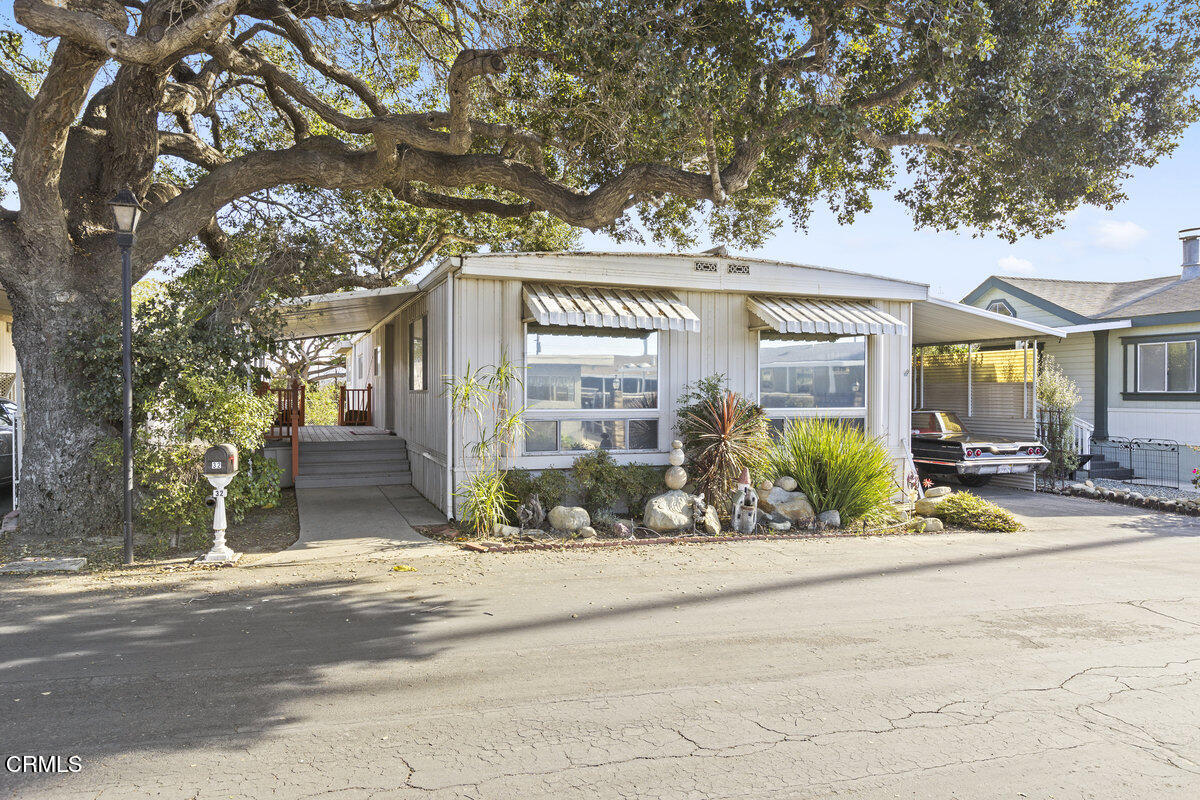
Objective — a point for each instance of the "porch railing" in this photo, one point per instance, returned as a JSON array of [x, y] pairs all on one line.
[[355, 406], [289, 416]]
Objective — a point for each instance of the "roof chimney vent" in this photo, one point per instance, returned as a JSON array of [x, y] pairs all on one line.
[[1191, 252]]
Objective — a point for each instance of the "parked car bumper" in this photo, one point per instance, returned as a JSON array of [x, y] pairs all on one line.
[[1006, 466]]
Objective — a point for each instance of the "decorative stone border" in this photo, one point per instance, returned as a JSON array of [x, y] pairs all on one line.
[[912, 526], [1131, 498]]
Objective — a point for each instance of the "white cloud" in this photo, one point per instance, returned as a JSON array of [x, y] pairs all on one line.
[[1117, 235], [1010, 264]]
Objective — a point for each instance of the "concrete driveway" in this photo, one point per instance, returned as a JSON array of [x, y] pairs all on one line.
[[1057, 663]]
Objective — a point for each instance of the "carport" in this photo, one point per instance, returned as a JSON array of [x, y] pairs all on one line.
[[980, 365]]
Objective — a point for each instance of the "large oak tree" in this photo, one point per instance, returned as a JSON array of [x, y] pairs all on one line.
[[993, 115]]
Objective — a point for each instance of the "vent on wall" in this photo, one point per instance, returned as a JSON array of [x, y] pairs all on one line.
[[738, 269], [706, 266]]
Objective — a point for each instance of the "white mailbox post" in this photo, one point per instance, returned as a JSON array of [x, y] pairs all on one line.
[[220, 468]]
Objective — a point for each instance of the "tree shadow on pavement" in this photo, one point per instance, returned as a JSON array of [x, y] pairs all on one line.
[[100, 672]]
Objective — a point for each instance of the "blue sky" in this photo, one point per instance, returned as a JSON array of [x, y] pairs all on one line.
[[1138, 239]]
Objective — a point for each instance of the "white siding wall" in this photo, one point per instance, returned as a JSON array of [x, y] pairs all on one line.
[[421, 416], [488, 313]]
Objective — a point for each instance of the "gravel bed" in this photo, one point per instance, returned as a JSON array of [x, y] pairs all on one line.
[[1169, 492]]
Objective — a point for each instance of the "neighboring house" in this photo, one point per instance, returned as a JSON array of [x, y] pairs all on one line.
[[606, 343], [1129, 346], [8, 356]]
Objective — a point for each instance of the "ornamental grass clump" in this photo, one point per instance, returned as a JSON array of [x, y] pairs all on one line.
[[966, 510], [835, 466]]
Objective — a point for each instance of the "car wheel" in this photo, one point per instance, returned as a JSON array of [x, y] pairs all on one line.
[[974, 481]]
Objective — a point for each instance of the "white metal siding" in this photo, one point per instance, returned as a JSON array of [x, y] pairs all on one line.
[[421, 416], [488, 314]]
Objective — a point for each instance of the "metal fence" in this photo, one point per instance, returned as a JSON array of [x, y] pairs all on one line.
[[1153, 462]]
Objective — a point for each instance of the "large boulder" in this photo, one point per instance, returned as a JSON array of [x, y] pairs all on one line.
[[928, 506], [669, 511], [792, 505], [569, 518]]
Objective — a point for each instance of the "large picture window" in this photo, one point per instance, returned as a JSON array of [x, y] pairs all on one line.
[[813, 378], [418, 377], [587, 389], [1161, 367]]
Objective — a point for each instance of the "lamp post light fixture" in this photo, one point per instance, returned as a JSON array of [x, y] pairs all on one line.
[[127, 211]]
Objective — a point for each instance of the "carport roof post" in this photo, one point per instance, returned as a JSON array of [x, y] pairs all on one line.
[[937, 321]]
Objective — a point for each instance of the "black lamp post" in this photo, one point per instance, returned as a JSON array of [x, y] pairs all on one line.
[[127, 211]]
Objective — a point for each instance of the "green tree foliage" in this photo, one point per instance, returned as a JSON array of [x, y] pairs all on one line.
[[195, 339]]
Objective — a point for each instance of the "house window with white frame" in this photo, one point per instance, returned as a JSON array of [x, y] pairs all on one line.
[[590, 389], [800, 377], [418, 372], [1167, 367]]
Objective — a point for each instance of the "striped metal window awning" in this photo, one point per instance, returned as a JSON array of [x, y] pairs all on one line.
[[820, 316], [608, 307]]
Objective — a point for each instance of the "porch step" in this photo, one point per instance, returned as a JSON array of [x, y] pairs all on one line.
[[1100, 467], [318, 481], [357, 461]]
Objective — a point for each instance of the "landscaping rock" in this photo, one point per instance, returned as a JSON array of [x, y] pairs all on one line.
[[792, 505], [830, 518], [786, 482], [711, 523], [928, 506], [777, 522], [764, 486], [569, 518], [1077, 488], [507, 530], [586, 532], [669, 511], [675, 478], [1089, 484], [934, 492], [932, 525]]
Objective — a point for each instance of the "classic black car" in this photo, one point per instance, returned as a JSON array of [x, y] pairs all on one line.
[[941, 445]]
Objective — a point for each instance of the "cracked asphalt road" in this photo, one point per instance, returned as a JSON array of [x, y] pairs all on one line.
[[1061, 662]]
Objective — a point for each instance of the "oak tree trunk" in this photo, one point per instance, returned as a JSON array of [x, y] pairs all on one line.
[[66, 488]]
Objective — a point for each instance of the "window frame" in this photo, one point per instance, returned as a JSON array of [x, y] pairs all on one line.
[[1007, 306], [851, 412], [1131, 366], [411, 361], [560, 415]]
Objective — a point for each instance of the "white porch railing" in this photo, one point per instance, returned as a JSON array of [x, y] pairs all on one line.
[[1081, 435]]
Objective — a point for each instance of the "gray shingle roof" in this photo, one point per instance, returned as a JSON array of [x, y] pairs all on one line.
[[1100, 299]]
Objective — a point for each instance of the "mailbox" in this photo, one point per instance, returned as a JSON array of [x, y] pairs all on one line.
[[221, 459]]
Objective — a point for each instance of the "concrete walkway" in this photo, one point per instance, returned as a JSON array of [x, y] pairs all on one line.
[[360, 522]]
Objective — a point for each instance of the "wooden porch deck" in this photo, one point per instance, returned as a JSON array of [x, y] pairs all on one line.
[[341, 433]]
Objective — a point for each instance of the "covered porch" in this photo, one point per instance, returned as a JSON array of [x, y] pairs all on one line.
[[359, 450]]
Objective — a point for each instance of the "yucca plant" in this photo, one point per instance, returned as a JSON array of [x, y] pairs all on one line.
[[722, 435], [486, 501], [835, 465]]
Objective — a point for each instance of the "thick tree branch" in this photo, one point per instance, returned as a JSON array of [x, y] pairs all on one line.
[[927, 140], [95, 33], [190, 147], [15, 104]]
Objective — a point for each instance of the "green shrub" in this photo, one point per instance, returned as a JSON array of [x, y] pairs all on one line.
[[637, 483], [551, 486], [598, 480], [835, 466], [966, 510]]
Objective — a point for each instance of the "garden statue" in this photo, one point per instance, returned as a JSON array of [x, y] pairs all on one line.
[[530, 514], [743, 511], [699, 512]]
